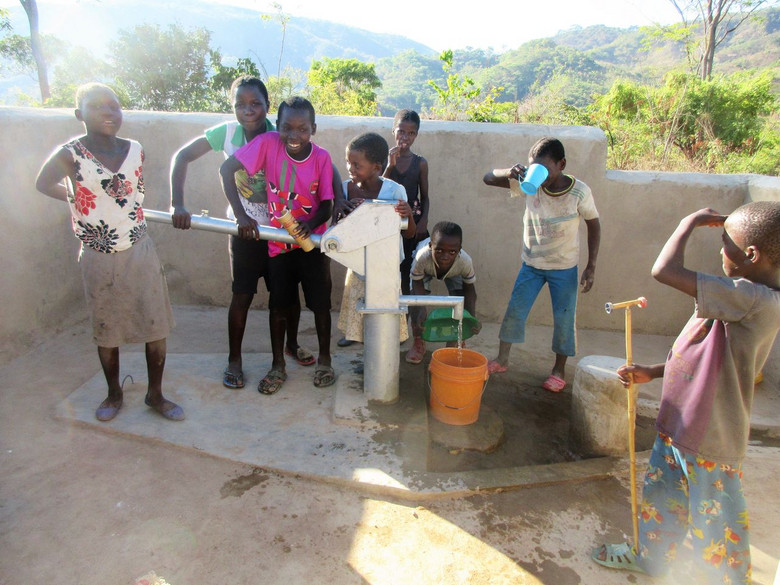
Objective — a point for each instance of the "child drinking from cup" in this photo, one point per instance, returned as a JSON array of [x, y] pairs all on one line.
[[550, 254]]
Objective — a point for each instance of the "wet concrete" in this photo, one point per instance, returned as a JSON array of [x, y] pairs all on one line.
[[94, 503]]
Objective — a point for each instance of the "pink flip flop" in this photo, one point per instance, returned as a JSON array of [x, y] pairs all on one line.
[[553, 383], [302, 355], [495, 368]]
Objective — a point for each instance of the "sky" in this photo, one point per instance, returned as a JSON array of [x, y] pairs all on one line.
[[500, 24], [497, 24]]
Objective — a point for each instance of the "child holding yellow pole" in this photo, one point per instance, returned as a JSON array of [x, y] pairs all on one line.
[[694, 479]]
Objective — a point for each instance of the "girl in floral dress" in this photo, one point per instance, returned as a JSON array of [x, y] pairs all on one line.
[[101, 177]]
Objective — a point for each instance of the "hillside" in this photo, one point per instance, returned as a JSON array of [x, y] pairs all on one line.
[[583, 60], [235, 32], [756, 44]]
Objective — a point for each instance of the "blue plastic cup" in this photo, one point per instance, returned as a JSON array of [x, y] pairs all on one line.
[[535, 175]]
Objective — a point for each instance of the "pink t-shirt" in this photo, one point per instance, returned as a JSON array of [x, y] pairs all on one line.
[[300, 186]]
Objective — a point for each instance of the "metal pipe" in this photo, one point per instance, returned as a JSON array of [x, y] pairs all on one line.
[[226, 226], [435, 301], [381, 359]]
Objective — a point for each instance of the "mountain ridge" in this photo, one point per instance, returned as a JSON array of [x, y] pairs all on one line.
[[595, 54]]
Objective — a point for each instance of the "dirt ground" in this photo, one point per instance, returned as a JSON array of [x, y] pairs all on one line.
[[82, 506]]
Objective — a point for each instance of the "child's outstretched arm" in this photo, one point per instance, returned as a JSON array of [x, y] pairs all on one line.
[[342, 206], [57, 167], [247, 227], [325, 194], [500, 177], [191, 151], [324, 213], [669, 267], [418, 313]]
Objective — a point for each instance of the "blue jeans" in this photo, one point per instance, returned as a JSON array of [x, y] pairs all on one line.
[[563, 294]]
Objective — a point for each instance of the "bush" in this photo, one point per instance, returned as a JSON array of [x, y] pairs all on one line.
[[716, 125]]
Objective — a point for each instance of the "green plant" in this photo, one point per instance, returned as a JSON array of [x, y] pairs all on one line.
[[711, 124], [461, 98], [344, 87]]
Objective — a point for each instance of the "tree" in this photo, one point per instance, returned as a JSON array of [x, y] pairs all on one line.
[[551, 103], [17, 59], [462, 98], [524, 70], [164, 69], [223, 76], [405, 82], [26, 53], [31, 9], [282, 19], [15, 49], [718, 19], [75, 66], [282, 87], [723, 113], [344, 87]]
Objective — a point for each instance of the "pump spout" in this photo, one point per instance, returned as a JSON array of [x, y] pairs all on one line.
[[435, 301]]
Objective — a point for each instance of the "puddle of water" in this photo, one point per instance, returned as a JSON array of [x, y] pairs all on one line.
[[536, 423]]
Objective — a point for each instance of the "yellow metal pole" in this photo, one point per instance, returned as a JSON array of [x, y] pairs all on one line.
[[631, 400]]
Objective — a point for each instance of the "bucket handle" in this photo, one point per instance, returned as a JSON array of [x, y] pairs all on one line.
[[475, 399]]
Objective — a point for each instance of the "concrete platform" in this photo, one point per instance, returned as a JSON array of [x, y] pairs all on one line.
[[329, 434], [312, 485]]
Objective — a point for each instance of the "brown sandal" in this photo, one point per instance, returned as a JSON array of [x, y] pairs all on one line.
[[272, 382]]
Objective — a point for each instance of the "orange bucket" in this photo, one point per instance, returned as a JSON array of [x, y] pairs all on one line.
[[457, 383]]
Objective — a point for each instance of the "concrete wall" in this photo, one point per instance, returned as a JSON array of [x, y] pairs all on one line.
[[41, 287]]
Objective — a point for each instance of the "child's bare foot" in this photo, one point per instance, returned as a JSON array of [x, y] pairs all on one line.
[[108, 409], [165, 407]]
